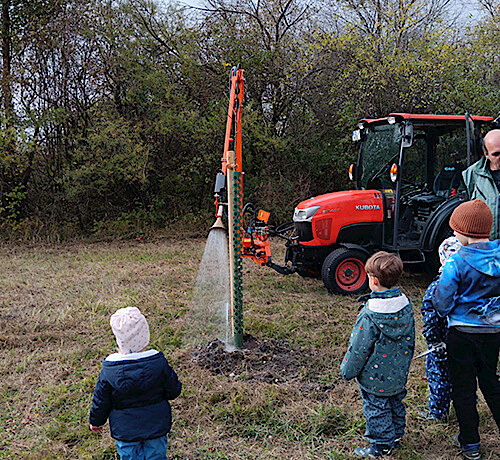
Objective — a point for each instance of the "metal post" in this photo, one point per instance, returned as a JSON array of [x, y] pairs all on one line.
[[235, 226], [237, 259]]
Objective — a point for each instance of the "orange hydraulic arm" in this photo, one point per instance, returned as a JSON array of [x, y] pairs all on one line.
[[255, 243], [232, 140]]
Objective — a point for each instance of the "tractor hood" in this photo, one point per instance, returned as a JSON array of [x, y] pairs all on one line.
[[350, 199], [330, 213]]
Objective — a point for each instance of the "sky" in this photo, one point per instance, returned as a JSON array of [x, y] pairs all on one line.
[[468, 9]]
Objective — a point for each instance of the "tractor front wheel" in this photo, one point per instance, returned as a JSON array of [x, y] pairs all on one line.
[[343, 271]]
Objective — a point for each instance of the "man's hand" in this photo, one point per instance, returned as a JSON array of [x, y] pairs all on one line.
[[95, 429]]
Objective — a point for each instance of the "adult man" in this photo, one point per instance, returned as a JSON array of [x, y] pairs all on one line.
[[482, 179]]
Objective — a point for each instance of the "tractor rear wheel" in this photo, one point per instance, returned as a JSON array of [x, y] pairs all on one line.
[[343, 271]]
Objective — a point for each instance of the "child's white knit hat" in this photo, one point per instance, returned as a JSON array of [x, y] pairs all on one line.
[[447, 248], [131, 329]]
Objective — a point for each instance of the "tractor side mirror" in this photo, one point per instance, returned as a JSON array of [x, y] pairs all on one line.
[[394, 172], [408, 135]]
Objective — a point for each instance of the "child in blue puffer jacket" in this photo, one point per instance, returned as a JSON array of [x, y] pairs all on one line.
[[379, 355], [133, 391], [468, 294]]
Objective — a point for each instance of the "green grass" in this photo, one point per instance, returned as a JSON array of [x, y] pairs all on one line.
[[55, 304]]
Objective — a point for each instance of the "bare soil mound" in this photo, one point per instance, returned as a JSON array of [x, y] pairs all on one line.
[[267, 360]]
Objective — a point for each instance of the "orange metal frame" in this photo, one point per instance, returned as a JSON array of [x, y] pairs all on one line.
[[258, 249], [234, 120], [257, 246]]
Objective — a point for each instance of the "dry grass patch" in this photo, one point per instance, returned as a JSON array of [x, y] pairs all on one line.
[[55, 305]]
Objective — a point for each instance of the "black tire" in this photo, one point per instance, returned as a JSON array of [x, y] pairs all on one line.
[[433, 263], [343, 271]]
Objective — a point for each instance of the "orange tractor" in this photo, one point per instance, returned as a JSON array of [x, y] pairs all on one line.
[[408, 182]]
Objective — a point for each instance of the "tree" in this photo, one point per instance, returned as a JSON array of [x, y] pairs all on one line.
[[118, 108], [392, 24], [7, 105]]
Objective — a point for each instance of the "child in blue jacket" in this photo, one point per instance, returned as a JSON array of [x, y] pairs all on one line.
[[436, 364], [133, 391], [379, 355], [468, 294]]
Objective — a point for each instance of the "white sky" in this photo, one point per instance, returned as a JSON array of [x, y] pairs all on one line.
[[469, 9]]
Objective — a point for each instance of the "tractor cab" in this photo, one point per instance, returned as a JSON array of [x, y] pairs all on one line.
[[416, 162]]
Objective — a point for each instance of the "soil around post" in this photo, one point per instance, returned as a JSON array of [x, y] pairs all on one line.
[[272, 361]]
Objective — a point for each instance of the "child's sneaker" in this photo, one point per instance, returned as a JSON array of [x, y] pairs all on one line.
[[372, 451], [469, 451]]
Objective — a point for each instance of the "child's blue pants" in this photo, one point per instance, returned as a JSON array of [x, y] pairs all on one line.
[[152, 449], [438, 379], [385, 417]]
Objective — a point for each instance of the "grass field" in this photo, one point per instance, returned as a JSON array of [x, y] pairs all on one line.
[[55, 304]]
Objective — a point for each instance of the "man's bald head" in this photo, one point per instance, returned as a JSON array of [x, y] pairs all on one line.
[[492, 148]]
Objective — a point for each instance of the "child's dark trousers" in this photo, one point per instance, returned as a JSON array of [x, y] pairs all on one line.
[[385, 418], [473, 358]]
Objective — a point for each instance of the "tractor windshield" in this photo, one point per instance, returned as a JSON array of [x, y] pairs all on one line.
[[379, 150]]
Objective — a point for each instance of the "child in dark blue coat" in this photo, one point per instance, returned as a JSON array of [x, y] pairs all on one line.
[[436, 364], [133, 391]]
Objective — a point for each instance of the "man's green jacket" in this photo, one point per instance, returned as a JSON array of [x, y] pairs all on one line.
[[480, 185]]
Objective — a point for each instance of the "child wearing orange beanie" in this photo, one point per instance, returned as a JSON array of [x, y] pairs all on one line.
[[468, 294]]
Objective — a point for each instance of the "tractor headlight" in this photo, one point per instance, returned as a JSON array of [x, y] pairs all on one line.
[[304, 215]]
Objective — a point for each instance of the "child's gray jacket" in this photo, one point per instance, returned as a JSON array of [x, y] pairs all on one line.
[[381, 344]]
